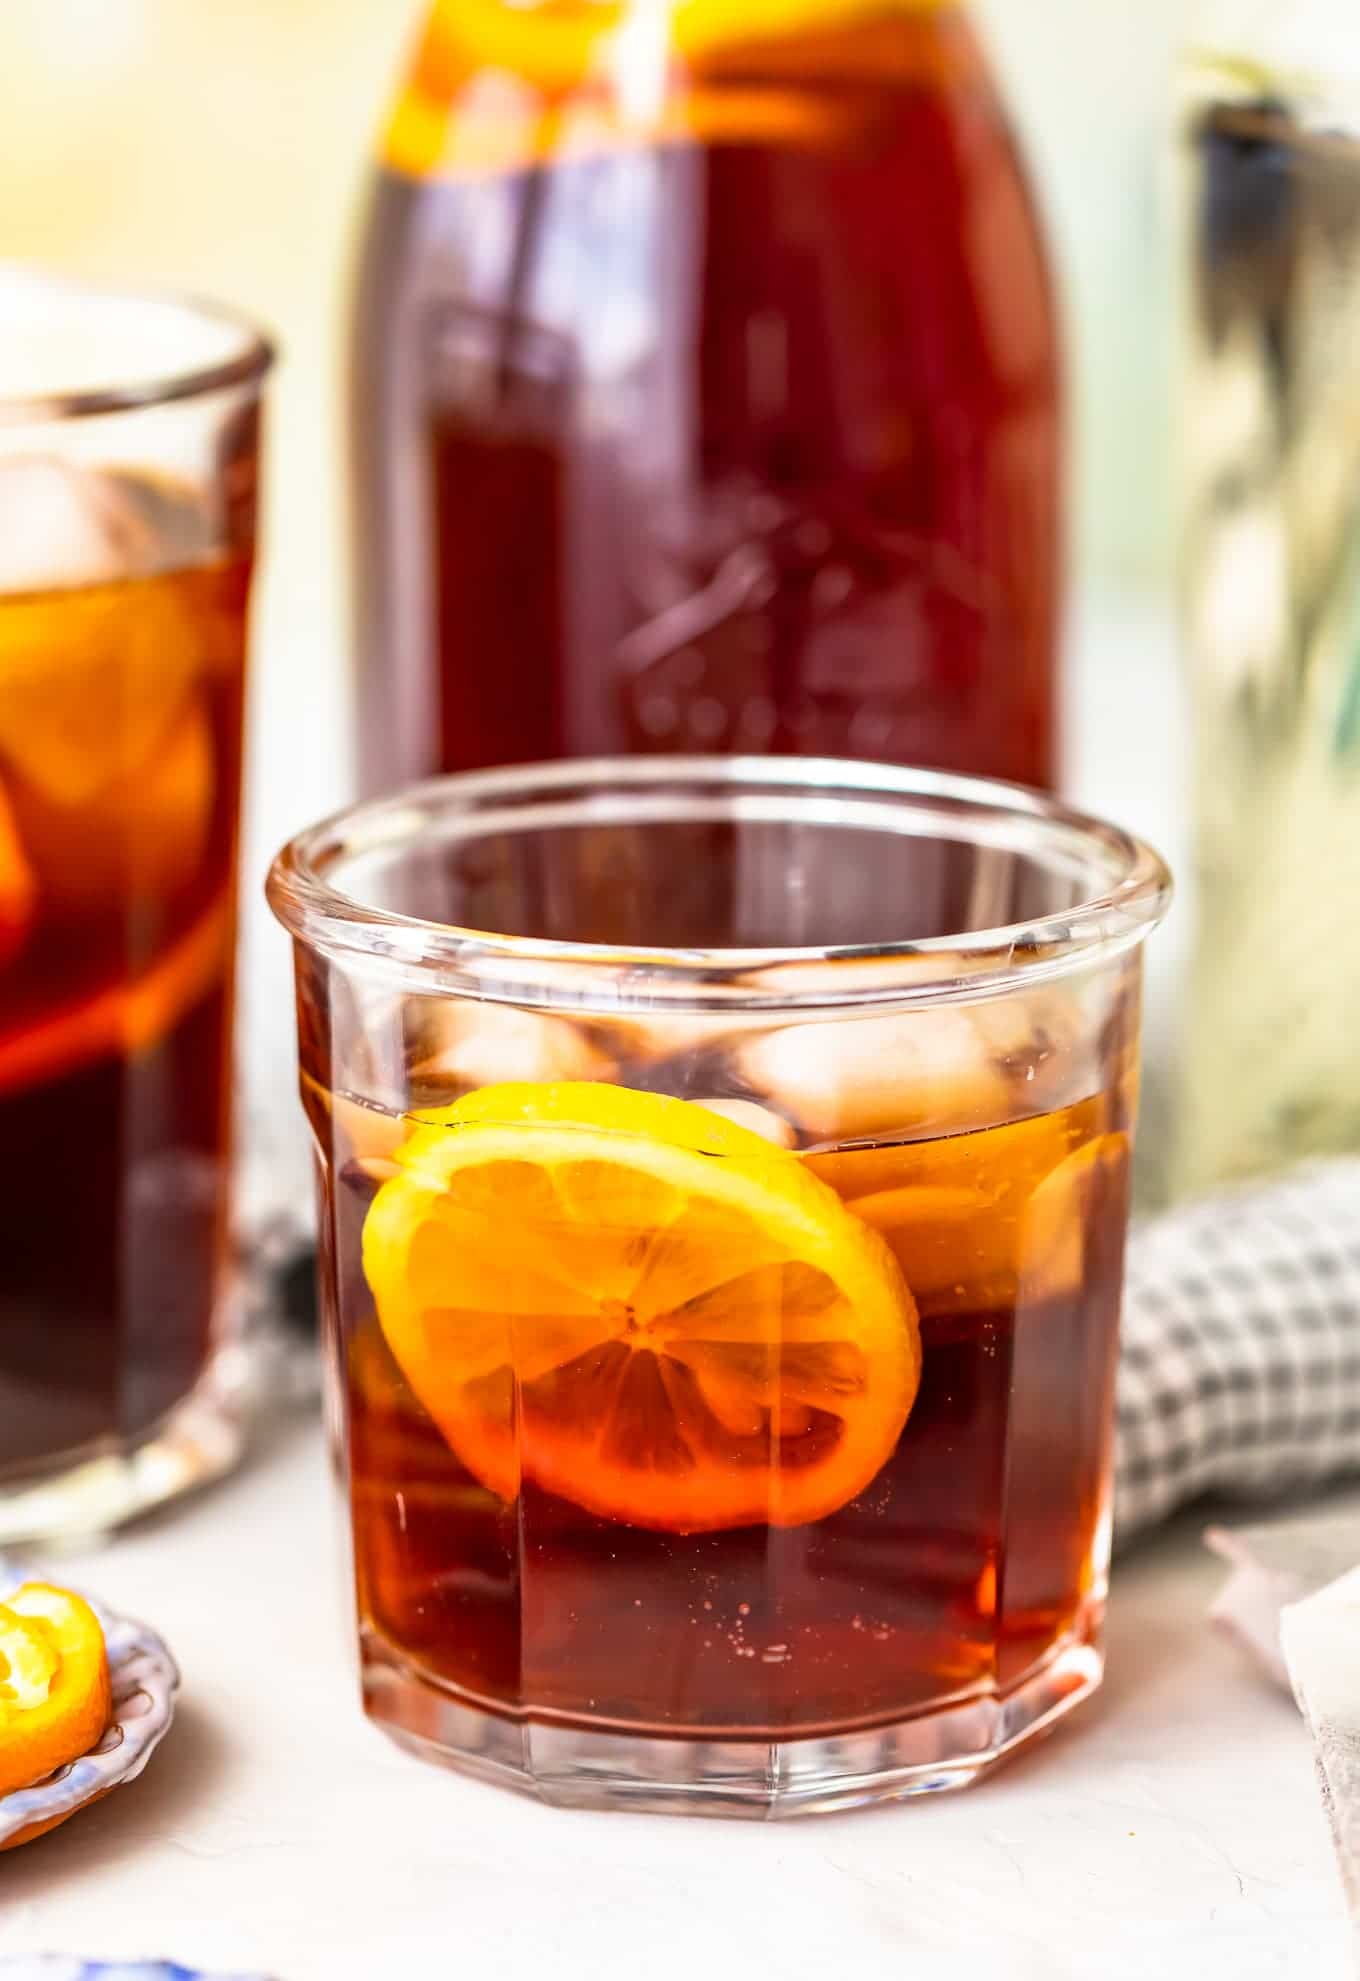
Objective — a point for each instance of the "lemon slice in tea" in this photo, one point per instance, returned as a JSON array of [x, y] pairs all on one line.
[[641, 1307]]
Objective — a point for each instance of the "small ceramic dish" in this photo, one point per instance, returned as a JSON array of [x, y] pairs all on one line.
[[144, 1680]]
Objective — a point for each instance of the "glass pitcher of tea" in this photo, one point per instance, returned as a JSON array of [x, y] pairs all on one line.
[[706, 394]]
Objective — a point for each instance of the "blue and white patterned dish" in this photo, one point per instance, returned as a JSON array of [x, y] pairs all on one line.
[[61, 1967], [144, 1679]]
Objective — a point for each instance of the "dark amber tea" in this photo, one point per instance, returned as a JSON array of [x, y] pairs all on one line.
[[725, 1391], [792, 1540], [120, 748], [705, 394]]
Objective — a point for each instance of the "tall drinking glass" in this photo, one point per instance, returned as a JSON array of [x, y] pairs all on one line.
[[129, 436], [723, 1171]]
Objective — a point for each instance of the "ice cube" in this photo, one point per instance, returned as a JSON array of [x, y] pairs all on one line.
[[62, 526], [842, 1079], [94, 683], [652, 1040], [1085, 1190], [463, 1044], [748, 1114], [1043, 1043], [137, 838]]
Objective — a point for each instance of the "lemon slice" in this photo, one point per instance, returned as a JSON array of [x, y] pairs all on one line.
[[54, 1683], [640, 1306]]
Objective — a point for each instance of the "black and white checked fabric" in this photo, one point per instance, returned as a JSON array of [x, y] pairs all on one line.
[[1240, 1367]]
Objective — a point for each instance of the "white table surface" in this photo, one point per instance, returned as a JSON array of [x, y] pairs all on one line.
[[1170, 1828]]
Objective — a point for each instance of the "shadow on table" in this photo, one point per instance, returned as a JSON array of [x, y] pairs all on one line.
[[183, 1774]]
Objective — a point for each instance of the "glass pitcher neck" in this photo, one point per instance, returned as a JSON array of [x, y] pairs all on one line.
[[496, 84]]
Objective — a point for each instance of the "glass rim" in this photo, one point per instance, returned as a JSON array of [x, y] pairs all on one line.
[[253, 357], [325, 917]]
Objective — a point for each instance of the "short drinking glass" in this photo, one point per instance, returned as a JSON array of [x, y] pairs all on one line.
[[724, 1171]]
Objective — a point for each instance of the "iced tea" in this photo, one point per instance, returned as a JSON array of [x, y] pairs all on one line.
[[126, 545], [725, 1393], [120, 750]]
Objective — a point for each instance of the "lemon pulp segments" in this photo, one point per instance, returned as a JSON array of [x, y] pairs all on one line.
[[641, 1307]]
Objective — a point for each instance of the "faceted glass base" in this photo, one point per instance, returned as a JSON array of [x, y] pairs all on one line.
[[87, 1492], [598, 1768]]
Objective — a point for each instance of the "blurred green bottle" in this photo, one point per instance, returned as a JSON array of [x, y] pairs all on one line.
[[1270, 131]]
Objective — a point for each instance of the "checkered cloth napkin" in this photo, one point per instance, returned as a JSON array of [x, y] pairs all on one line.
[[1240, 1370]]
